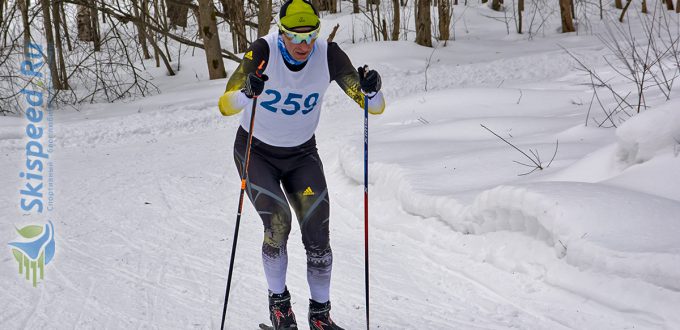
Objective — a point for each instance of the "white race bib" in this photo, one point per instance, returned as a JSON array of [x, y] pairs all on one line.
[[289, 108]]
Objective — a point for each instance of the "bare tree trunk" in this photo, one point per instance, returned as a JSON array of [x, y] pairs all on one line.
[[496, 5], [64, 25], [2, 11], [270, 4], [4, 35], [677, 7], [333, 6], [601, 11], [211, 39], [6, 31], [355, 6], [49, 38], [567, 19], [264, 17], [178, 12], [423, 23], [88, 25], [84, 25], [384, 30], [369, 6], [444, 9], [141, 29], [396, 22], [145, 33], [159, 53], [237, 24], [669, 5], [23, 6], [94, 14], [520, 15], [625, 9], [618, 4], [160, 17], [56, 15], [379, 26], [153, 39], [644, 7]]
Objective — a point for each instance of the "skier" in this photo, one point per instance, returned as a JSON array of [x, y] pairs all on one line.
[[290, 70]]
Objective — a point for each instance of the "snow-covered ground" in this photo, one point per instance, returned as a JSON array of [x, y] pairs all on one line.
[[146, 197]]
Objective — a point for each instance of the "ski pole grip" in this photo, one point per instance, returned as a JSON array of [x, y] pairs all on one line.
[[258, 72]]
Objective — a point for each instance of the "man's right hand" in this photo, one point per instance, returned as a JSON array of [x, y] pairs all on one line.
[[254, 85]]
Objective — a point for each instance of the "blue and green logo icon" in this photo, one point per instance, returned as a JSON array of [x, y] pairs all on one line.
[[34, 251]]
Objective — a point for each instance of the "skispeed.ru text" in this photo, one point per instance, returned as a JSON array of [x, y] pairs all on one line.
[[31, 192]]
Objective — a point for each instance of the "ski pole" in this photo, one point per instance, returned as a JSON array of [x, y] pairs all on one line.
[[244, 175], [366, 207]]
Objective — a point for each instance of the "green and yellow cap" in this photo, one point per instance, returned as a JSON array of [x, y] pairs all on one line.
[[298, 13]]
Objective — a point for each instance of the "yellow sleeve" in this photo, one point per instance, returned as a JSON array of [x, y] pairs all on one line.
[[346, 76], [232, 102]]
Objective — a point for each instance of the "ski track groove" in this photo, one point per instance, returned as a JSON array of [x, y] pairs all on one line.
[[136, 279], [87, 299], [496, 296]]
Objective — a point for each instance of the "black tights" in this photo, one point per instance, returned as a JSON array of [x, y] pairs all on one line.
[[300, 172]]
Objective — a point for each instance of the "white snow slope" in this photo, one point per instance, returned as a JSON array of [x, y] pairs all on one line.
[[146, 197]]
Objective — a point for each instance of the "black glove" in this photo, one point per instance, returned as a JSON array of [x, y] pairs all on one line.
[[254, 85], [369, 80]]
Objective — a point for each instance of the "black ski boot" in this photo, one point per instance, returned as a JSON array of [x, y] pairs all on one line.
[[319, 316], [280, 312]]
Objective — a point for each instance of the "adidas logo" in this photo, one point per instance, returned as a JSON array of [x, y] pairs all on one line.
[[249, 55], [308, 192]]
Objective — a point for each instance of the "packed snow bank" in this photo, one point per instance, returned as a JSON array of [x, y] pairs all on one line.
[[644, 156], [647, 134], [591, 226]]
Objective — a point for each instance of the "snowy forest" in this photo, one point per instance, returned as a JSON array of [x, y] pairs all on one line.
[[100, 47], [525, 172]]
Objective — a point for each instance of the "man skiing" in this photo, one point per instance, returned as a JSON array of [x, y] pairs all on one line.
[[289, 71]]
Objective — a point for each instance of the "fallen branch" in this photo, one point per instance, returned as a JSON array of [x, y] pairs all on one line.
[[535, 160]]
